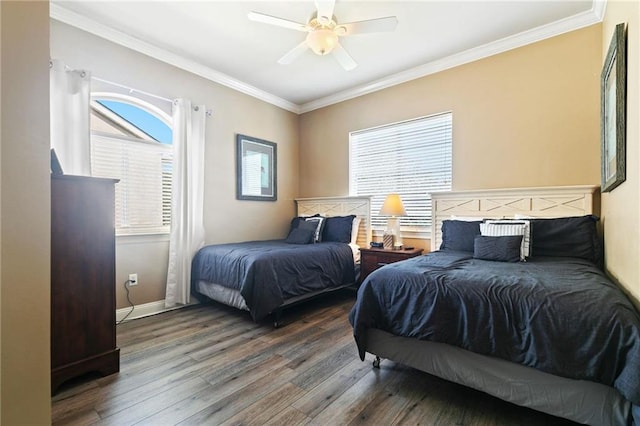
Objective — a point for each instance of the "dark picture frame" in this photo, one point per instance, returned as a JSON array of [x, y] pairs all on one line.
[[613, 111], [256, 169]]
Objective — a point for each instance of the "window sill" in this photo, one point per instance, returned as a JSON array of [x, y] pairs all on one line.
[[141, 238]]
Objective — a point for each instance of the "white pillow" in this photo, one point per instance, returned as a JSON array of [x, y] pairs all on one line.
[[355, 227], [502, 228], [317, 237]]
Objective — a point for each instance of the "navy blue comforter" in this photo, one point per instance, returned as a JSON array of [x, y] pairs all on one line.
[[267, 273], [559, 315]]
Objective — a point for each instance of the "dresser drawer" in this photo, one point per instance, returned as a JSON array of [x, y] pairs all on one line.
[[372, 259]]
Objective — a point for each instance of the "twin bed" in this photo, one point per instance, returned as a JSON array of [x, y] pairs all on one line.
[[552, 333], [265, 277]]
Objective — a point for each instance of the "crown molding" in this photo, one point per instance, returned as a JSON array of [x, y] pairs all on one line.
[[599, 7], [553, 29], [581, 20], [77, 20]]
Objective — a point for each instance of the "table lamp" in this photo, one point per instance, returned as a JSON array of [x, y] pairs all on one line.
[[393, 208]]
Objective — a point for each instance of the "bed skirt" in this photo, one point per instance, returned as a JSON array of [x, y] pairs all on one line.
[[578, 400]]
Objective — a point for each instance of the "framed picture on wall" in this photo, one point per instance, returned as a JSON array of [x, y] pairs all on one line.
[[613, 111], [256, 167]]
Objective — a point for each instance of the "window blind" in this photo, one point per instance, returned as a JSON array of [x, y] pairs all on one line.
[[143, 195], [411, 158]]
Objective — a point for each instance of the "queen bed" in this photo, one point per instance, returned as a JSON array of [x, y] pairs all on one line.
[[551, 333], [319, 255]]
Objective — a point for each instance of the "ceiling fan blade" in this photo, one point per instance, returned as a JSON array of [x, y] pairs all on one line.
[[280, 22], [388, 23], [343, 58], [294, 53], [325, 10]]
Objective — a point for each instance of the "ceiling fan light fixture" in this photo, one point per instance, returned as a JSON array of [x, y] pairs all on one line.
[[322, 40]]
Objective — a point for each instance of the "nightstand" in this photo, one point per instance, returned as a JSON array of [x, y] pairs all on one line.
[[373, 258]]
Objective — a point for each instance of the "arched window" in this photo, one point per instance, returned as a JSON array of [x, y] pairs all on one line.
[[131, 141]]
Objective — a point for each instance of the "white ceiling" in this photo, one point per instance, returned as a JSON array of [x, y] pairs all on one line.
[[215, 39]]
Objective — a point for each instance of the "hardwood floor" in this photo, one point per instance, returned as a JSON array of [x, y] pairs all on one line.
[[210, 364]]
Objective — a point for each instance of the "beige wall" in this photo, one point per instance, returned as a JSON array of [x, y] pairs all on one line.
[[226, 219], [25, 228], [526, 117], [621, 207]]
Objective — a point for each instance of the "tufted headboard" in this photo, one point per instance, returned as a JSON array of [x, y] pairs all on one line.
[[341, 206], [553, 201]]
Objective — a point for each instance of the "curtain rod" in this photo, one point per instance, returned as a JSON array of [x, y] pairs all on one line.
[[208, 112], [131, 89]]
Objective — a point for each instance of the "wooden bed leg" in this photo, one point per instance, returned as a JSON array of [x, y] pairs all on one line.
[[376, 362]]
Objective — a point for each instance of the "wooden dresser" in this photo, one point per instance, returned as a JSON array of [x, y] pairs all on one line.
[[83, 269]]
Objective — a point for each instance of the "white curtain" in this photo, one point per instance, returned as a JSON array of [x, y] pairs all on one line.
[[69, 97], [187, 228]]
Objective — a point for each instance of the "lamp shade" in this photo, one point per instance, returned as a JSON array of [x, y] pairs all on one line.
[[392, 206]]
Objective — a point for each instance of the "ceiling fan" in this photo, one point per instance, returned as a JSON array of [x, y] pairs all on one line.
[[324, 31]]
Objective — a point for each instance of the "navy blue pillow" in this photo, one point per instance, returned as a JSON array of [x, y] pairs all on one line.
[[567, 237], [459, 235], [500, 249], [338, 228], [296, 221], [303, 233]]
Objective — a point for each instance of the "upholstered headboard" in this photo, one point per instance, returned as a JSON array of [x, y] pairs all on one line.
[[558, 201], [341, 206]]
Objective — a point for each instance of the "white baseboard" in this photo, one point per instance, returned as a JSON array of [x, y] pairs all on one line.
[[146, 309]]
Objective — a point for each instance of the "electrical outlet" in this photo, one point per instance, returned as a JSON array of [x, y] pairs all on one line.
[[133, 279]]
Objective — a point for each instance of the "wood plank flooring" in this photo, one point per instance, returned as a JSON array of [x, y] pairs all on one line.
[[210, 364]]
